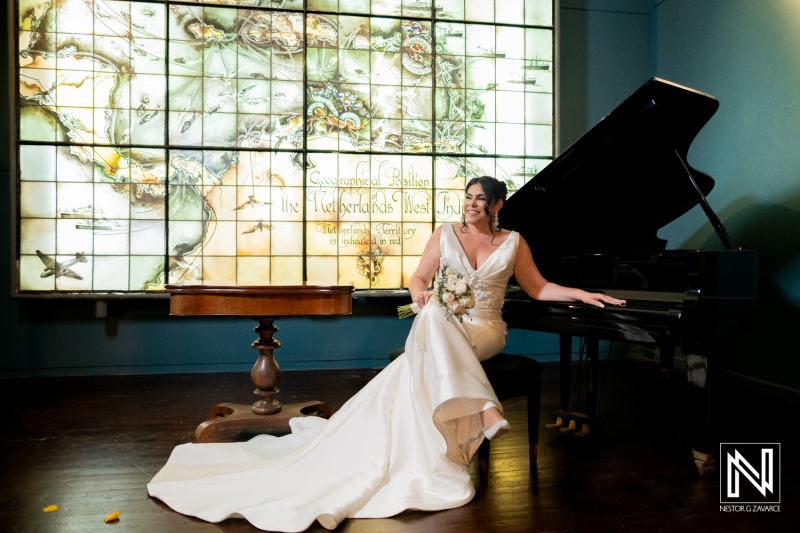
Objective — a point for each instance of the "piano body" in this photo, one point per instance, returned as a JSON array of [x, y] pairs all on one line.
[[591, 218]]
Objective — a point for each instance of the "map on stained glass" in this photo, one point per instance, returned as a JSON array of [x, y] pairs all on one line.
[[265, 142]]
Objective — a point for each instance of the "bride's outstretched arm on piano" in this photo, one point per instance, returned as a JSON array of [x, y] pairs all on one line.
[[537, 287]]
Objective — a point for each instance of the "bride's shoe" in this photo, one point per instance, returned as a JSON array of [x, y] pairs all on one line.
[[497, 430], [328, 521]]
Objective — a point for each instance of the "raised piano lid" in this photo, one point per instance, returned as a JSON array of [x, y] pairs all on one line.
[[613, 189]]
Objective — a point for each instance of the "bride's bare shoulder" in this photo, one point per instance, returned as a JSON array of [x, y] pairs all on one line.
[[502, 236]]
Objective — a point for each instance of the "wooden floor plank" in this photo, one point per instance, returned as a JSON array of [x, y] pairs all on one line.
[[91, 444]]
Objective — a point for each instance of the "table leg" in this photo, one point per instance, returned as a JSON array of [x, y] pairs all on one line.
[[266, 373], [228, 420]]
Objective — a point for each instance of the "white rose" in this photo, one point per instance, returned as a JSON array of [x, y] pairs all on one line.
[[447, 297], [450, 285], [468, 302], [461, 287]]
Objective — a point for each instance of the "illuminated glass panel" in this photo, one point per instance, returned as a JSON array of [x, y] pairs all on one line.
[[266, 142]]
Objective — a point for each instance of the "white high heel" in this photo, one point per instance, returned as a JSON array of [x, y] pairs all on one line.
[[497, 430]]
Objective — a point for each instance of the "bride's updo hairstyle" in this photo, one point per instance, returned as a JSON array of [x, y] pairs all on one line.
[[494, 190]]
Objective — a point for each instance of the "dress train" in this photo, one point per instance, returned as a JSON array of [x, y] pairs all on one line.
[[403, 442]]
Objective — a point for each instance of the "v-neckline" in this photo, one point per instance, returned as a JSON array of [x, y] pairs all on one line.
[[466, 255]]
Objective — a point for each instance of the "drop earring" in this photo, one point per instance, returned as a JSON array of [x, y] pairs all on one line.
[[496, 220]]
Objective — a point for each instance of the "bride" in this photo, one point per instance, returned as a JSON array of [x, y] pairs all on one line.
[[406, 439]]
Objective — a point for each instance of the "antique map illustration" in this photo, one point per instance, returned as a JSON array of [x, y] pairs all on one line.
[[265, 142]]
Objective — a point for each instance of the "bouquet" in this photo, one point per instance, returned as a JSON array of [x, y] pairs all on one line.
[[451, 291]]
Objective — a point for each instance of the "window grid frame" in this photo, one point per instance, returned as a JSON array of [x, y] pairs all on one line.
[[305, 152]]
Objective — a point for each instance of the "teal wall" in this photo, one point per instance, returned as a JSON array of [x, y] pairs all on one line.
[[744, 53], [747, 55], [604, 56]]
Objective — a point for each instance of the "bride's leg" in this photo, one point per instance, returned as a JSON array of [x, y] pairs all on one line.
[[490, 417], [494, 425]]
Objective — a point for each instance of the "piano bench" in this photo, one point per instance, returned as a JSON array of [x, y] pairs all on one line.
[[511, 376]]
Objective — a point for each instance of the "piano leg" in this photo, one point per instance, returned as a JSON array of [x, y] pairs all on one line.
[[228, 419], [592, 375], [565, 372], [666, 356], [569, 418], [565, 356], [699, 375]]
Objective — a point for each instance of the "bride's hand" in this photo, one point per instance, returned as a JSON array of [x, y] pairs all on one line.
[[422, 298], [600, 300]]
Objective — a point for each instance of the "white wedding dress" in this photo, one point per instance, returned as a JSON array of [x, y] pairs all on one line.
[[403, 442]]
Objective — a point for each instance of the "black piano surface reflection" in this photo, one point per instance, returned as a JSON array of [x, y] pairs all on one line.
[[591, 218]]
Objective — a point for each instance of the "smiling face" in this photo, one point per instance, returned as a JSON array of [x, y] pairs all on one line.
[[476, 210]]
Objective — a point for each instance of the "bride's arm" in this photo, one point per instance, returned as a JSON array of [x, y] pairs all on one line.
[[531, 280], [421, 279]]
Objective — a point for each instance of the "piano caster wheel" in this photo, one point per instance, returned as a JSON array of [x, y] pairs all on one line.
[[706, 463], [571, 428], [559, 423]]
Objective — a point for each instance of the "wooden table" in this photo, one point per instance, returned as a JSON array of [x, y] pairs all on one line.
[[264, 304]]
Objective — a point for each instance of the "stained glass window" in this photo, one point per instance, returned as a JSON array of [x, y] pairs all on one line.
[[265, 142]]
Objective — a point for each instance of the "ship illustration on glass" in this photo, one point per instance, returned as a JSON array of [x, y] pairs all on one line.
[[85, 211], [527, 172], [536, 64], [99, 224], [421, 5], [527, 79], [185, 143], [491, 52]]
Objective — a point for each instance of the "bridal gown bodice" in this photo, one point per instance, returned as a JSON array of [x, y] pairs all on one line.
[[403, 442]]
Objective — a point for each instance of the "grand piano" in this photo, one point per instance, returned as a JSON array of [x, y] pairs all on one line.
[[591, 219]]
